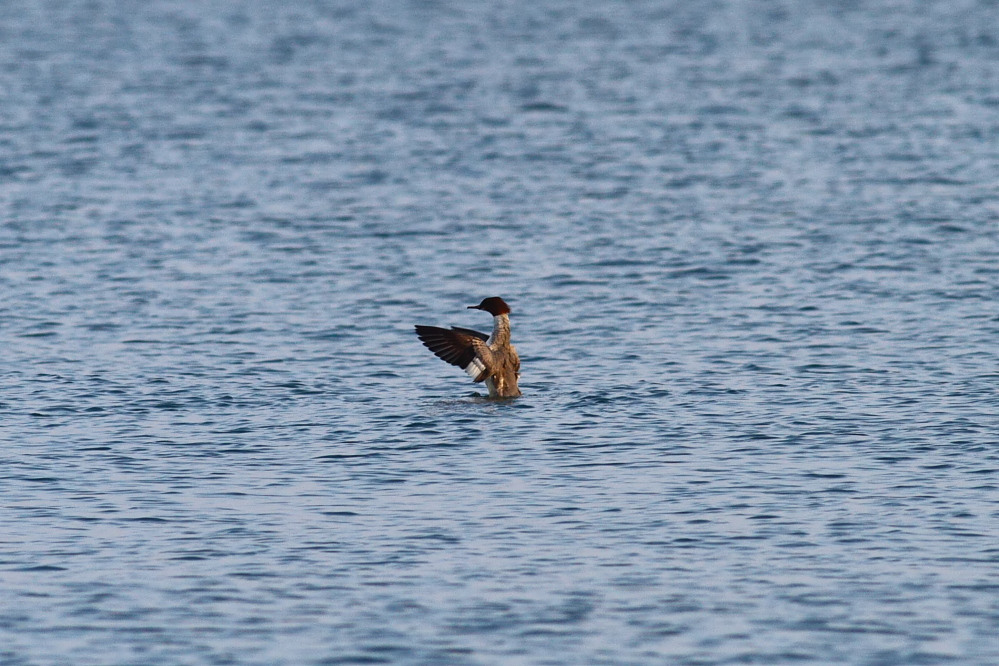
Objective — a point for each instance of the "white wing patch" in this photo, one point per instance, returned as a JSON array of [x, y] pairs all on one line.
[[475, 368]]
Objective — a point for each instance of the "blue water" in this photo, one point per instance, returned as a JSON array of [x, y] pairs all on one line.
[[752, 250]]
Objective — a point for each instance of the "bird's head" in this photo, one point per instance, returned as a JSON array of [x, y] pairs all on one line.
[[494, 305]]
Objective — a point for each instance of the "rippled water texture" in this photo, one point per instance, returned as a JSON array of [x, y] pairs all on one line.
[[751, 249]]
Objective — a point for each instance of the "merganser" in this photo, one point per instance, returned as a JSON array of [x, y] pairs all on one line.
[[491, 359]]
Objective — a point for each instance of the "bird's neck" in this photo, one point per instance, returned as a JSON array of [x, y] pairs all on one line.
[[501, 330]]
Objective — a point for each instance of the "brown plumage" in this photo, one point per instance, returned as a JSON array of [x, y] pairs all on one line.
[[490, 359]]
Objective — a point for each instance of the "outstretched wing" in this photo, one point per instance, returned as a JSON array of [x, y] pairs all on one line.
[[468, 331], [462, 347]]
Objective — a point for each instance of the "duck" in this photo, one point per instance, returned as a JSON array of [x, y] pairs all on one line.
[[491, 359]]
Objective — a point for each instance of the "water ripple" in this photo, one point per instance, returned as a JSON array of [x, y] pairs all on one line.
[[751, 256]]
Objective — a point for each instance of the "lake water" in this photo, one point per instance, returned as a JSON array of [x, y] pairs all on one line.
[[752, 250]]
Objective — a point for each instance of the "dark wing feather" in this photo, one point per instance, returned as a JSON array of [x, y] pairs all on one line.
[[454, 346], [468, 331]]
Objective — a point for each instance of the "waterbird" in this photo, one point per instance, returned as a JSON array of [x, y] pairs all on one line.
[[490, 359]]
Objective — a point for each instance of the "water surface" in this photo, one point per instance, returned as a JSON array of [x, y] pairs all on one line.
[[751, 250]]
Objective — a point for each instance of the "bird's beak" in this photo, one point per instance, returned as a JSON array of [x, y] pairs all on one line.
[[473, 307]]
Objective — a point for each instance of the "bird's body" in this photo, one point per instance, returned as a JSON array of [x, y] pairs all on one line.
[[490, 359]]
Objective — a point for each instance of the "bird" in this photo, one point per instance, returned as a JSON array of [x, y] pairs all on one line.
[[490, 359]]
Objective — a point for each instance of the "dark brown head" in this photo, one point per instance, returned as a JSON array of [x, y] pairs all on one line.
[[494, 305]]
